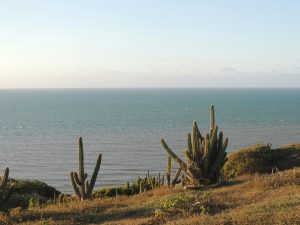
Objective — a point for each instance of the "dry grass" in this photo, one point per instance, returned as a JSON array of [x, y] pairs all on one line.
[[250, 199]]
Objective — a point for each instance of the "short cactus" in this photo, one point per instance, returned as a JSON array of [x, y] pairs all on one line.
[[205, 155], [82, 188], [150, 182], [5, 194]]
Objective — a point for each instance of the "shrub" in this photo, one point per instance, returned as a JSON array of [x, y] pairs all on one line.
[[175, 202], [255, 159], [191, 202]]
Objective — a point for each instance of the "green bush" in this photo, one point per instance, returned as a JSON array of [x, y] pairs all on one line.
[[188, 202], [176, 202], [34, 187], [259, 158], [27, 190]]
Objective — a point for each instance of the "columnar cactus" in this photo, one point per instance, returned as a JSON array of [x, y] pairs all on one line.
[[205, 155], [5, 194], [82, 188], [176, 179]]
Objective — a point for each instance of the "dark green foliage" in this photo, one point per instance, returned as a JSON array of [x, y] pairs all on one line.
[[205, 155], [24, 190], [4, 192], [287, 157], [82, 188], [34, 187]]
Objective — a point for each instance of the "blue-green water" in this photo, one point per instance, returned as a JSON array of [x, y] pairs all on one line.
[[39, 128]]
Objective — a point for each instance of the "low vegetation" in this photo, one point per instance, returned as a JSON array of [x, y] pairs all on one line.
[[261, 158], [247, 199], [27, 192]]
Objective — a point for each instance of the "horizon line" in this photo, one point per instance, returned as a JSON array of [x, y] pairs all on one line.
[[97, 88]]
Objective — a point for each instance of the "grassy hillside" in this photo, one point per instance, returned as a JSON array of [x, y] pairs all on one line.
[[251, 198]]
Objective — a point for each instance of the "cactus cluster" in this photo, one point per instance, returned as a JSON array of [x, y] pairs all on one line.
[[150, 182], [83, 188], [5, 193], [176, 179], [58, 199], [140, 185], [205, 155]]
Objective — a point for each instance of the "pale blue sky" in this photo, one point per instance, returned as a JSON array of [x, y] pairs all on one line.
[[153, 43]]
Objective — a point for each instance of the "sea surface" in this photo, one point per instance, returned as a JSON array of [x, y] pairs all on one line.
[[39, 129]]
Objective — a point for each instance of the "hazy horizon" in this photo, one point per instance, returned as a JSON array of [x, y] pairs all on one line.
[[149, 44]]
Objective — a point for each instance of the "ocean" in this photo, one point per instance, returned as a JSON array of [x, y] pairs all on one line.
[[39, 129]]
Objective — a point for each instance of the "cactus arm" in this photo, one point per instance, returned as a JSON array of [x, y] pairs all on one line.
[[206, 152], [168, 174], [199, 136], [81, 158], [175, 180], [152, 182], [75, 188], [61, 198], [212, 117], [141, 187], [225, 160], [76, 178], [189, 156], [174, 156], [87, 187], [213, 137], [225, 144], [189, 140], [213, 144], [220, 160], [194, 139], [220, 142], [81, 169], [4, 195], [217, 164], [95, 174], [149, 178], [158, 181], [4, 178], [9, 192]]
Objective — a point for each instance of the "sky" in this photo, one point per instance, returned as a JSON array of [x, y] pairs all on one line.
[[149, 43]]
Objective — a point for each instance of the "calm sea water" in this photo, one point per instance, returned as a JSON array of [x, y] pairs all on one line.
[[39, 128]]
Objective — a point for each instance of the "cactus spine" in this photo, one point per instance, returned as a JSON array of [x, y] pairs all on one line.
[[205, 155], [5, 194], [82, 188]]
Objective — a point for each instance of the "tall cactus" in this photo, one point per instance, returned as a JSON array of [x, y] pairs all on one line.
[[5, 194], [205, 155], [82, 188]]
